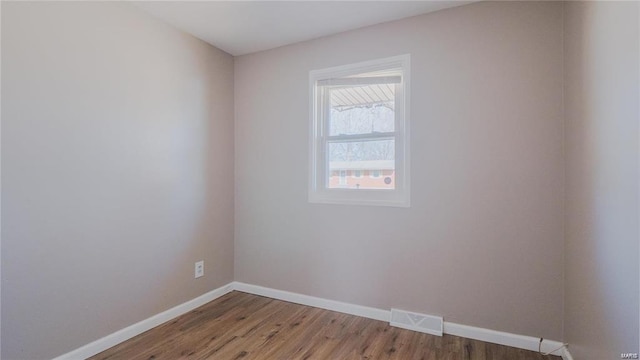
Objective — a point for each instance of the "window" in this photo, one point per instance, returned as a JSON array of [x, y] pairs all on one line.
[[359, 125]]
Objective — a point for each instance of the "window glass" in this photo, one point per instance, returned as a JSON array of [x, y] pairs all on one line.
[[359, 142]]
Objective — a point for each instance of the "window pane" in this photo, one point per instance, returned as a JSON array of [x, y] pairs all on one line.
[[359, 110], [359, 157], [359, 129]]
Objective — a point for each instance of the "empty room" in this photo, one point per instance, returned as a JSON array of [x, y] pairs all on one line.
[[280, 180]]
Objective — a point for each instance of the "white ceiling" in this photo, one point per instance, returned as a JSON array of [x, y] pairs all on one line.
[[242, 27]]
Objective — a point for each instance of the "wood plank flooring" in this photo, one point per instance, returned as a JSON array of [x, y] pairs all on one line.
[[243, 326]]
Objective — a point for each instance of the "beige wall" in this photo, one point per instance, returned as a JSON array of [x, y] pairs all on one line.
[[482, 241], [601, 103], [117, 145], [117, 129]]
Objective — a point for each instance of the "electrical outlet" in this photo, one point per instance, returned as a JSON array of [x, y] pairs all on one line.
[[199, 272]]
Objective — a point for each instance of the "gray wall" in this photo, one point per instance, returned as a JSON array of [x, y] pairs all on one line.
[[117, 172], [601, 101], [482, 241]]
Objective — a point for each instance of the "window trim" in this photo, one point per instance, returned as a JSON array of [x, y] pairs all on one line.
[[318, 192]]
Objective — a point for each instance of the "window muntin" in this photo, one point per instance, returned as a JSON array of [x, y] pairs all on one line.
[[359, 127]]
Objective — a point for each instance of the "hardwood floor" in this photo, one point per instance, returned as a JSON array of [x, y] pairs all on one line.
[[243, 326]]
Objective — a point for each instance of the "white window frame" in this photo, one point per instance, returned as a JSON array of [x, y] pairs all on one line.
[[375, 177], [319, 192], [357, 174]]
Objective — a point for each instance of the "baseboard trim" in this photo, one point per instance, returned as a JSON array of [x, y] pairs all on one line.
[[138, 328], [503, 338], [566, 355], [471, 332], [346, 308]]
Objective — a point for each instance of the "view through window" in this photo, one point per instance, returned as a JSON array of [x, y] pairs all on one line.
[[361, 121], [359, 143]]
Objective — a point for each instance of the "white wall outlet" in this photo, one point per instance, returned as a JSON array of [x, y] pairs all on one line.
[[199, 272]]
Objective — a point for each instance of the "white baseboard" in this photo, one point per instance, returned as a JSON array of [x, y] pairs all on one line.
[[566, 355], [503, 338], [358, 310], [471, 332], [138, 328]]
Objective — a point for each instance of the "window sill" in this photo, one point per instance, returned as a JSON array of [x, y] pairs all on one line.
[[351, 197]]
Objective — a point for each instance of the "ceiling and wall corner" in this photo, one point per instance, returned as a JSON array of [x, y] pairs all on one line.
[[243, 27]]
